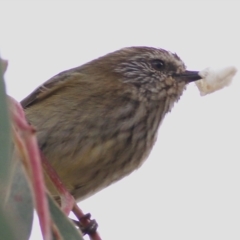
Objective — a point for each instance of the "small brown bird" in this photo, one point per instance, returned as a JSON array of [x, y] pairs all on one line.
[[97, 123]]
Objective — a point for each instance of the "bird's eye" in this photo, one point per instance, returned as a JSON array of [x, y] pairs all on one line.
[[158, 64]]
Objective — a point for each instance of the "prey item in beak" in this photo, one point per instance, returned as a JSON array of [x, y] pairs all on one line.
[[189, 76], [213, 80], [210, 80]]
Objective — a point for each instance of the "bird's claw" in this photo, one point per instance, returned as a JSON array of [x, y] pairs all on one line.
[[88, 228]]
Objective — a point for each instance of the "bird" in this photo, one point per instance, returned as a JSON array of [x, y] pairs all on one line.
[[98, 122]]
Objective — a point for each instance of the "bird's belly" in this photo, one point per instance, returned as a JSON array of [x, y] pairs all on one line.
[[98, 165]]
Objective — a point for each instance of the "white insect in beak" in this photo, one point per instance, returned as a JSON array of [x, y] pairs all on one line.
[[214, 80]]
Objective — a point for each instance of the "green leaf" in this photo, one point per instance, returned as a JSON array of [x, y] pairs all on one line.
[[5, 141], [6, 231], [16, 204], [19, 203], [64, 225]]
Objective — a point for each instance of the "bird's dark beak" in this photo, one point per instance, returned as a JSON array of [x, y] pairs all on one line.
[[189, 76]]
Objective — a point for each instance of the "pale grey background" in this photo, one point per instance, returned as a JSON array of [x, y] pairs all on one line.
[[189, 187]]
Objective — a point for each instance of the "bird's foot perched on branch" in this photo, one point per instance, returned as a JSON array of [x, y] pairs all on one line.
[[90, 226]]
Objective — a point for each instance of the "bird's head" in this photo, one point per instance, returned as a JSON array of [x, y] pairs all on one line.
[[155, 73]]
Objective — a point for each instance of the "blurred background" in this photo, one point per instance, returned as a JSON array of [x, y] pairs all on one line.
[[189, 188]]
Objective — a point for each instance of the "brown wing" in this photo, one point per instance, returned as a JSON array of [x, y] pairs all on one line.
[[53, 84]]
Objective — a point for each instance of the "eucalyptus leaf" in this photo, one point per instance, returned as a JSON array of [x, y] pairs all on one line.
[[16, 205], [6, 231], [64, 225], [5, 140]]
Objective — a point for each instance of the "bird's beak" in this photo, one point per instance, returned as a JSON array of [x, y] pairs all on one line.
[[189, 76]]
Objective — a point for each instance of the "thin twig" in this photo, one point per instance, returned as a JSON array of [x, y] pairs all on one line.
[[67, 200], [25, 139], [68, 203]]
